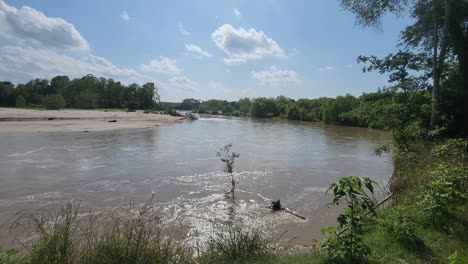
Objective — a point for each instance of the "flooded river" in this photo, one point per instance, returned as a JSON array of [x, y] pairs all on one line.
[[291, 161]]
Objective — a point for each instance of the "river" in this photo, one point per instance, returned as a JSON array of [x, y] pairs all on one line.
[[291, 161]]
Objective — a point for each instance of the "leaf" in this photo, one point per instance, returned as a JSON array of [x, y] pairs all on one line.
[[328, 230], [11, 252]]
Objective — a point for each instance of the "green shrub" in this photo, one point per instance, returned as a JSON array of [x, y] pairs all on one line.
[[236, 245], [440, 197], [454, 151], [345, 243], [53, 102], [20, 101], [132, 107], [399, 225]]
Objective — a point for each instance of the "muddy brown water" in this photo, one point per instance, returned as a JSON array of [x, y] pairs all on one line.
[[291, 161]]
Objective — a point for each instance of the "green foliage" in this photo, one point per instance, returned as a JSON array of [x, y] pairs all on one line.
[[454, 151], [440, 197], [293, 112], [20, 101], [189, 104], [345, 243], [133, 236], [236, 245], [87, 92], [455, 258], [264, 107], [8, 95], [399, 225], [9, 257], [53, 102]]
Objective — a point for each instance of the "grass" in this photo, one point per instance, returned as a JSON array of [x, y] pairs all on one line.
[[403, 233]]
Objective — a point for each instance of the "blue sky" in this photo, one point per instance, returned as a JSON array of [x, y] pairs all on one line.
[[203, 49]]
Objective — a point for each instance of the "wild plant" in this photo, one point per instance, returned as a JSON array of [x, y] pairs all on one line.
[[345, 243], [228, 158], [399, 225], [440, 197]]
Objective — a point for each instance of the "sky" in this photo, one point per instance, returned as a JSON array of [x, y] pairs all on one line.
[[197, 49]]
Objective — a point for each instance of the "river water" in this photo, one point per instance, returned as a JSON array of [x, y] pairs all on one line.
[[291, 161]]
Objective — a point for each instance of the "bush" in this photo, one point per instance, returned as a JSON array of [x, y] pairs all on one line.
[[132, 107], [399, 225], [345, 243], [440, 197], [20, 101], [53, 102], [236, 245]]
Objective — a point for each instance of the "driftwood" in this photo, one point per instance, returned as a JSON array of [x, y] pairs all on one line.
[[276, 206]]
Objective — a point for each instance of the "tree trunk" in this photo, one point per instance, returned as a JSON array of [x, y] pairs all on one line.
[[435, 81], [438, 61]]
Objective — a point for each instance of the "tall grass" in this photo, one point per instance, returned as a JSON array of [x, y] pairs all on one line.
[[126, 236]]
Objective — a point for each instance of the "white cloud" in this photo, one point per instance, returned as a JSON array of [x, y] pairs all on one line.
[[161, 65], [182, 29], [33, 27], [241, 45], [349, 66], [215, 85], [236, 12], [276, 77], [327, 68], [182, 82], [197, 50], [124, 16], [26, 63]]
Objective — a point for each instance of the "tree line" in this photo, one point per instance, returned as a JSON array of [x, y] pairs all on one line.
[[368, 110], [87, 92]]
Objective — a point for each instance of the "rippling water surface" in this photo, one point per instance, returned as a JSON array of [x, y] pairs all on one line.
[[291, 161]]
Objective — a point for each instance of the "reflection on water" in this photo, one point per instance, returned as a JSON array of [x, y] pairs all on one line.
[[291, 161]]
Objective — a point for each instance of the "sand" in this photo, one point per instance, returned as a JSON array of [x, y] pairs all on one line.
[[21, 120]]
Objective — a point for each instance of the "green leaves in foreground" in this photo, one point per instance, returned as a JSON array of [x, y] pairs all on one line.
[[345, 242]]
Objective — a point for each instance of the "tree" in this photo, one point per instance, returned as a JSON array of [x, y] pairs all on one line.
[[293, 112], [146, 95], [58, 84], [20, 101], [54, 102], [228, 158], [7, 94], [189, 104], [244, 105], [440, 29]]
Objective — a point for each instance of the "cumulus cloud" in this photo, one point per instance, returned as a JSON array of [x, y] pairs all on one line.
[[241, 45], [161, 65], [26, 63], [197, 50], [276, 77], [182, 29], [124, 16], [236, 12], [29, 25], [182, 82]]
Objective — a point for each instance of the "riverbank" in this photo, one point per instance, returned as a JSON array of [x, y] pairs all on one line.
[[22, 120], [426, 224]]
